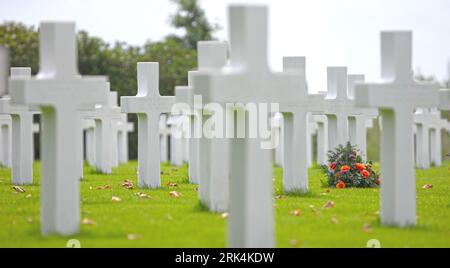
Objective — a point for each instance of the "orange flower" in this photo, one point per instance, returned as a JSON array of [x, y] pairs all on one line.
[[365, 173], [360, 166], [332, 166], [345, 168], [340, 185]]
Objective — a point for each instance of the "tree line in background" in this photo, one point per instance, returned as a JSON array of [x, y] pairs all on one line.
[[176, 54]]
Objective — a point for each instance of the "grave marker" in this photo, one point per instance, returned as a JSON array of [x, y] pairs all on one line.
[[22, 151], [60, 92], [213, 161], [396, 99], [148, 104], [248, 80]]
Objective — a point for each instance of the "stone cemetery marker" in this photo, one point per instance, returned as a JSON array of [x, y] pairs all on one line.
[[213, 162], [296, 134], [278, 130], [177, 140], [248, 80], [106, 133], [22, 151], [164, 136], [428, 137], [4, 70], [124, 127], [5, 140], [322, 138], [89, 126], [184, 96], [396, 100], [60, 92], [148, 104], [357, 124]]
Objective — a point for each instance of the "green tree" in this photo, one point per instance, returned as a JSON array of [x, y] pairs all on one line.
[[23, 44], [191, 18]]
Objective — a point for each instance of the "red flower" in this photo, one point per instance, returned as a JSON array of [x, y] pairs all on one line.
[[340, 185], [365, 173], [332, 166], [360, 166], [345, 168]]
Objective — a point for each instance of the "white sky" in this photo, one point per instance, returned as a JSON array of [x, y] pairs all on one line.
[[327, 32]]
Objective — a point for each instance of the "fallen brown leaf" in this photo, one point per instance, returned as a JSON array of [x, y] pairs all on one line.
[[280, 196], [18, 189], [105, 187], [296, 212], [367, 228], [127, 184], [142, 195], [115, 199], [294, 243], [132, 237], [329, 204], [172, 184], [175, 194], [427, 186], [87, 221], [334, 220]]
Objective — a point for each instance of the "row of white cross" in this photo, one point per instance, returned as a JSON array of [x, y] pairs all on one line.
[[235, 174]]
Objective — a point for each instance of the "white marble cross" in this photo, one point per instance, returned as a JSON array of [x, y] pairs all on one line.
[[89, 126], [148, 104], [357, 123], [184, 95], [60, 92], [4, 70], [124, 127], [296, 134], [396, 98], [5, 140], [322, 138], [164, 136], [248, 80], [177, 139], [428, 137], [106, 133], [277, 125], [22, 150], [213, 162]]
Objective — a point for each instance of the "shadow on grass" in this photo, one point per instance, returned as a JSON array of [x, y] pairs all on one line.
[[298, 193], [201, 207]]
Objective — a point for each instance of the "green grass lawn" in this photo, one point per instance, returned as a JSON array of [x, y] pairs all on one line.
[[167, 221]]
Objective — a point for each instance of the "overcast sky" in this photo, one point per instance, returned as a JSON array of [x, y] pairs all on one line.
[[327, 32]]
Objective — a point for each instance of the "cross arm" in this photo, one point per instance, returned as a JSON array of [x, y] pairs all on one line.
[[43, 92], [144, 104], [396, 95]]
